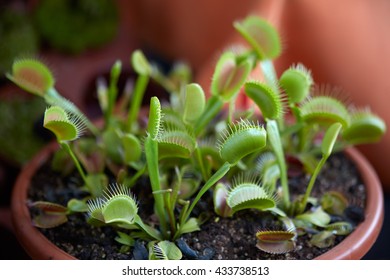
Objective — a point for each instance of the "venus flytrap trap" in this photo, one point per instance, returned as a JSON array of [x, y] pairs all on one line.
[[201, 160], [36, 78], [276, 242]]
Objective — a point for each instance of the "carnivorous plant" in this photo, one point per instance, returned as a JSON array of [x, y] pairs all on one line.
[[197, 144]]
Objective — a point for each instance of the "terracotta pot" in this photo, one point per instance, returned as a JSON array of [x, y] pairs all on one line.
[[34, 242], [355, 246]]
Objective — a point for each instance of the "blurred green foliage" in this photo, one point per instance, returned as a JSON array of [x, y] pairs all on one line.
[[75, 25], [18, 37], [18, 141]]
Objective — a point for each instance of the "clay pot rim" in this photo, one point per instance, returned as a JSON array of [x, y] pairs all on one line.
[[359, 242], [355, 246]]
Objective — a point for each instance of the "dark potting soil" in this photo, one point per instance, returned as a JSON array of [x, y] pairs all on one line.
[[219, 238]]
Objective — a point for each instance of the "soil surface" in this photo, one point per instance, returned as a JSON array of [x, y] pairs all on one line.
[[219, 238]]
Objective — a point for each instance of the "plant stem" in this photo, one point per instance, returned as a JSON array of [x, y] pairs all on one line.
[[139, 90], [149, 230], [151, 151], [136, 176], [213, 107], [327, 146], [268, 69], [169, 204], [199, 158], [112, 92], [276, 144], [311, 184], [231, 110], [66, 147], [210, 182]]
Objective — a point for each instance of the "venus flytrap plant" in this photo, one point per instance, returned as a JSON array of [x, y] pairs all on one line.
[[271, 106], [164, 250], [220, 196], [143, 69], [108, 96], [297, 83], [265, 42], [66, 128], [269, 170], [230, 74], [119, 207], [276, 242], [364, 127], [50, 214], [248, 193], [151, 152]]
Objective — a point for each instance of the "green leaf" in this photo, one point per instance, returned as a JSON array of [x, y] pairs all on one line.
[[32, 76], [120, 209], [118, 206], [330, 138], [266, 99], [140, 63], [124, 239], [166, 250], [261, 35], [325, 110], [65, 127], [91, 154], [154, 124], [229, 76], [132, 148], [247, 193], [194, 103], [323, 239], [317, 217], [102, 94], [275, 242], [50, 214], [364, 127], [340, 228], [268, 169], [249, 196], [297, 82], [113, 145], [276, 143], [190, 225], [96, 184], [149, 232], [334, 203], [77, 205], [175, 143], [241, 140], [189, 181], [220, 195]]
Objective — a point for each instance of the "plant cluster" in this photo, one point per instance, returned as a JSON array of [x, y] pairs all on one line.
[[193, 145]]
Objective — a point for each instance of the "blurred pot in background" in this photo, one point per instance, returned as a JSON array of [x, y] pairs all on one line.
[[190, 30]]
